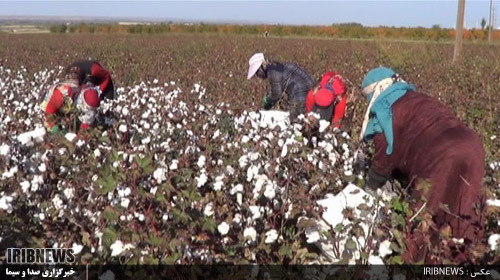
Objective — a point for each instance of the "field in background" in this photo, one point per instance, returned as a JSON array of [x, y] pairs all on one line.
[[219, 64]]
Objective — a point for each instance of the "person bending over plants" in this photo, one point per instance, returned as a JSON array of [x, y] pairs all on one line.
[[67, 97], [96, 75], [416, 135], [283, 77], [329, 99]]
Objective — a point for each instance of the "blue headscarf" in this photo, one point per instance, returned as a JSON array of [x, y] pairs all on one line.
[[380, 115]]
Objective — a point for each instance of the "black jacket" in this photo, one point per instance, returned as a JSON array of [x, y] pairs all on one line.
[[290, 78]]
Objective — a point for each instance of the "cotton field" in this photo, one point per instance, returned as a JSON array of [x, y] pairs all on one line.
[[168, 177]]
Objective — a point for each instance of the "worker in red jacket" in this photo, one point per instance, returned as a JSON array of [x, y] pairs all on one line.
[[328, 99], [417, 136], [60, 99], [96, 75]]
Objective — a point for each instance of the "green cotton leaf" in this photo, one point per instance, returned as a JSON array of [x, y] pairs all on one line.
[[180, 216], [86, 238], [399, 238], [107, 184], [339, 227], [109, 236], [397, 206], [286, 250], [396, 260], [155, 241], [351, 244], [208, 224], [110, 214]]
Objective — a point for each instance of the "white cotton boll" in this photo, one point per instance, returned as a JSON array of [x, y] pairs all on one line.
[[201, 180], [271, 236], [323, 125], [123, 128], [230, 170], [255, 210], [146, 140], [80, 143], [223, 228], [239, 199], [165, 217], [493, 202], [97, 153], [384, 249], [284, 151], [141, 217], [160, 175], [201, 161], [25, 185], [125, 202], [116, 248], [348, 172], [270, 192], [153, 190], [312, 235], [77, 248], [4, 149], [69, 193], [243, 161], [494, 241], [57, 202], [218, 185], [208, 211], [237, 219], [245, 139], [250, 233], [125, 111], [70, 136], [216, 134], [236, 189], [6, 203], [174, 165]]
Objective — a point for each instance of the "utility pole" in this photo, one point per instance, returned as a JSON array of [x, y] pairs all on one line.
[[490, 24], [459, 31]]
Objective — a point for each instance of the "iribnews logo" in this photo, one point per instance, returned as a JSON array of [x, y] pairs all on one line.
[[39, 255]]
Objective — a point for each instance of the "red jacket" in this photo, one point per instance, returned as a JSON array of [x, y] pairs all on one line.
[[340, 93], [86, 100], [95, 73]]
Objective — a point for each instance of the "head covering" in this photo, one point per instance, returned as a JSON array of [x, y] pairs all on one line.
[[375, 76], [254, 64], [324, 97], [383, 88]]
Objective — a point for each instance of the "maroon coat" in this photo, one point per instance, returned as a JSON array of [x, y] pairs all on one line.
[[430, 143]]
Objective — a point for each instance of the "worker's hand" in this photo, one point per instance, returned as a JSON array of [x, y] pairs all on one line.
[[266, 104], [336, 130]]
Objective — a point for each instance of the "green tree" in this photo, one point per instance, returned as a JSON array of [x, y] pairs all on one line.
[[483, 23]]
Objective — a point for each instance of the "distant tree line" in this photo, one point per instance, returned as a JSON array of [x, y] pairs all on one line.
[[346, 30]]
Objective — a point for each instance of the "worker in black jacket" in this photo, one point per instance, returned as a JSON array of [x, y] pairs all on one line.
[[283, 77]]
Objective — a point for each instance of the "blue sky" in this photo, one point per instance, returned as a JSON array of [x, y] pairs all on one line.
[[369, 13]]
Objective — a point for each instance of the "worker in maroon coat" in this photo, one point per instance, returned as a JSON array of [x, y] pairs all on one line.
[[96, 75], [416, 135]]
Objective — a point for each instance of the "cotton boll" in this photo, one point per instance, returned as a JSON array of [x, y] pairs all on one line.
[[223, 228], [271, 236], [494, 241], [250, 234]]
